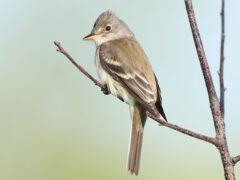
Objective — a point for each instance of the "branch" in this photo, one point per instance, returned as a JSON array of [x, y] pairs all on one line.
[[236, 159], [213, 99], [157, 119], [80, 68], [221, 68], [185, 131]]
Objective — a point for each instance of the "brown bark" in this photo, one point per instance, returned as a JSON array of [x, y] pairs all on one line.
[[213, 99], [236, 159], [222, 58]]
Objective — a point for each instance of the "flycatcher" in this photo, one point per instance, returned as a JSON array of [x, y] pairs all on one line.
[[124, 69]]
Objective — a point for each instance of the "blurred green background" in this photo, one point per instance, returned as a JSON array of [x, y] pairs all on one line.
[[55, 124]]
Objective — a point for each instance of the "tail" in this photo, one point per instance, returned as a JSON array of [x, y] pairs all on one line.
[[139, 117]]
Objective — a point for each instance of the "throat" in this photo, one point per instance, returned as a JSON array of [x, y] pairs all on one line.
[[111, 37], [101, 40]]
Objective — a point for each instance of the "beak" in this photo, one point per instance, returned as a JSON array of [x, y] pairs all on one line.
[[91, 37]]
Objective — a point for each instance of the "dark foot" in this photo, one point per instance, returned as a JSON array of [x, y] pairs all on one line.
[[105, 89]]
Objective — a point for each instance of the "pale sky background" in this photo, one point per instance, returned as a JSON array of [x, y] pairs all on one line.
[[55, 124]]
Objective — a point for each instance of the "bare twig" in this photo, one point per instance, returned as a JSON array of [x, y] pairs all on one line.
[[215, 108], [162, 122], [61, 50], [221, 68], [187, 132], [213, 99], [236, 159]]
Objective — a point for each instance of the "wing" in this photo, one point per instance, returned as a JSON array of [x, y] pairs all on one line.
[[126, 62], [159, 101]]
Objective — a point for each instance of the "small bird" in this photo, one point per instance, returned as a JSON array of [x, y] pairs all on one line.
[[125, 71]]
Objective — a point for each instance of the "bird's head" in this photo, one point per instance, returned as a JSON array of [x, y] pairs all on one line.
[[108, 27]]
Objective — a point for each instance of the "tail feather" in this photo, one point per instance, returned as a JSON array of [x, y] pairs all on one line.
[[135, 152], [139, 118]]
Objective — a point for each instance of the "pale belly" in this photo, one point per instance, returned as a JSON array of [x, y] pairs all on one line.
[[115, 88]]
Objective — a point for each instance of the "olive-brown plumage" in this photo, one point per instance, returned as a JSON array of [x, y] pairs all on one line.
[[124, 67]]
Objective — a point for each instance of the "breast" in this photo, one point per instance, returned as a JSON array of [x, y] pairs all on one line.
[[115, 88]]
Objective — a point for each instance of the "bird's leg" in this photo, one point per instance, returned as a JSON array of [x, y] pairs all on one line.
[[105, 90]]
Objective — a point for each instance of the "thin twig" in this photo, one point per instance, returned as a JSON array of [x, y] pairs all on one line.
[[236, 159], [80, 68], [213, 99], [186, 131], [221, 68], [162, 122]]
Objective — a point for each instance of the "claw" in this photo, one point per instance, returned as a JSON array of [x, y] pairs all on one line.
[[105, 90]]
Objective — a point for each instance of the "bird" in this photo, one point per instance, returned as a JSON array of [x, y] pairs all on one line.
[[124, 69]]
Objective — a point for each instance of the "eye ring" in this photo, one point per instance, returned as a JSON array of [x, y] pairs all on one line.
[[108, 28]]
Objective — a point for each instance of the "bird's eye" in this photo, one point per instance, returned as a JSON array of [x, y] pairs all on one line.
[[108, 28]]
